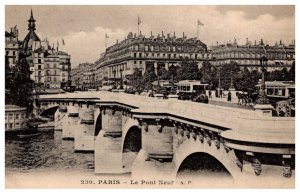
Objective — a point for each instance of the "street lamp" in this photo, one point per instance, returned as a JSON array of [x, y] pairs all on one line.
[[114, 72], [262, 96], [231, 88], [219, 85], [121, 84]]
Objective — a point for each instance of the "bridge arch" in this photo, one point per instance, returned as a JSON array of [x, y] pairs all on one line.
[[191, 146], [98, 124], [131, 143], [49, 112]]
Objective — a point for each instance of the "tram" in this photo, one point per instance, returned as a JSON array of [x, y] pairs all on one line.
[[279, 90], [190, 89], [281, 95]]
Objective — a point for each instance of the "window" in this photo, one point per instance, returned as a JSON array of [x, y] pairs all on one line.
[[54, 79], [134, 62], [140, 55], [39, 67], [14, 53], [10, 116], [7, 53], [141, 62], [10, 125], [134, 55], [39, 73], [39, 61], [54, 65]]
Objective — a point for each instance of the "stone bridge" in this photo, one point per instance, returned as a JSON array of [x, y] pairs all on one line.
[[152, 138]]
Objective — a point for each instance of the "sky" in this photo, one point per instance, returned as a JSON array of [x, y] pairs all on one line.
[[83, 28]]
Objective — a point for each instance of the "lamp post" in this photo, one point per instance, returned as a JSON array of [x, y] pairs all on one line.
[[114, 72], [219, 85], [262, 97], [121, 82], [231, 88]]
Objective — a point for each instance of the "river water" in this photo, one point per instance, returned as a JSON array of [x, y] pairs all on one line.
[[48, 154]]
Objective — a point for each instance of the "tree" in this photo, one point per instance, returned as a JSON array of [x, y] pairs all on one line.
[[247, 80], [136, 79], [19, 84], [228, 71], [209, 74], [149, 77], [291, 75], [188, 71]]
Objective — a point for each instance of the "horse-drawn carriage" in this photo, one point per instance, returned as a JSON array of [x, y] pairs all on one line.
[[281, 95]]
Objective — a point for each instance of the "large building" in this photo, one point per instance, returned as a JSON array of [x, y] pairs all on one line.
[[12, 46], [50, 67], [248, 55], [137, 52], [81, 76]]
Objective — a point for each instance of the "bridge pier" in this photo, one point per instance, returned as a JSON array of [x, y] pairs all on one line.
[[108, 144], [71, 123], [59, 116], [157, 151], [84, 135]]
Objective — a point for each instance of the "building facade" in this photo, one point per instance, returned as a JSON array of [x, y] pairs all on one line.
[[12, 46], [80, 76], [50, 68], [15, 118], [136, 52], [248, 55], [140, 52]]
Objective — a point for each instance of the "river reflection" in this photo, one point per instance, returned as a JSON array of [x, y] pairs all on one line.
[[46, 152]]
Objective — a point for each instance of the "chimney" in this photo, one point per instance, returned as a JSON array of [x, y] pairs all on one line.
[[255, 42], [140, 32], [182, 34], [162, 34], [151, 33], [217, 43], [247, 41], [168, 35]]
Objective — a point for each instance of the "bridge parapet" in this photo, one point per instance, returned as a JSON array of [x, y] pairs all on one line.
[[252, 140]]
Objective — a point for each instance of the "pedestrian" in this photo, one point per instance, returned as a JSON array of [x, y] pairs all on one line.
[[209, 94], [221, 93], [229, 97]]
